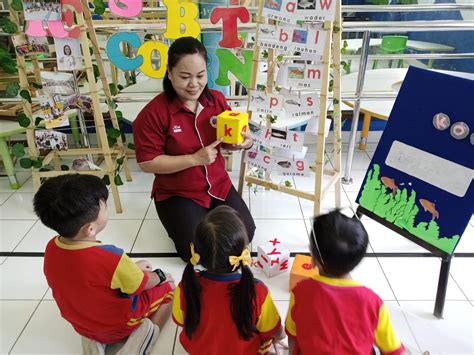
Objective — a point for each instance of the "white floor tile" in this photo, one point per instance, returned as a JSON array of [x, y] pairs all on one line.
[[370, 274], [134, 206], [308, 183], [4, 196], [451, 335], [36, 239], [165, 343], [21, 176], [360, 160], [328, 204], [466, 244], [11, 233], [153, 238], [461, 272], [27, 186], [401, 327], [18, 206], [173, 266], [22, 279], [15, 315], [357, 179], [178, 348], [48, 333], [414, 279], [274, 204], [291, 233], [121, 233], [278, 285], [141, 182], [384, 240], [151, 212]]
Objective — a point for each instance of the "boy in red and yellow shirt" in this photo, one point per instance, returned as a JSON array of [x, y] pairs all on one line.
[[97, 287], [331, 313]]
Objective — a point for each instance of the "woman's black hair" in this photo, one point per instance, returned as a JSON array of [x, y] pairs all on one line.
[[338, 242], [178, 49], [221, 234]]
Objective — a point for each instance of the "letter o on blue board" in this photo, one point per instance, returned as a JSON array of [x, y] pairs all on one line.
[[115, 53]]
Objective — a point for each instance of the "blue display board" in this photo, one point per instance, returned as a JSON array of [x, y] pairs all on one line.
[[420, 179]]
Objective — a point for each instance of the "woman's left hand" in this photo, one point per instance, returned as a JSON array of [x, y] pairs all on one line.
[[246, 144]]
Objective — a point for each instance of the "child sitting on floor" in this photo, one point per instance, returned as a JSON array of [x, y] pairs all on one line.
[[97, 287], [331, 313], [221, 309]]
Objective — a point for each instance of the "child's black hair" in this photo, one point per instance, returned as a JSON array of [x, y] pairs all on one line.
[[178, 49], [67, 202], [341, 242], [221, 234]]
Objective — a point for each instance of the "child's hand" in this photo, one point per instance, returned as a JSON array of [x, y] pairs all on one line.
[[144, 265], [170, 279]]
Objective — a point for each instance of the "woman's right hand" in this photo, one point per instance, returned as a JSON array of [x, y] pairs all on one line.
[[207, 155]]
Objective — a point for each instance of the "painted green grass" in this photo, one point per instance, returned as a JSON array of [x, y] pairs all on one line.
[[401, 210]]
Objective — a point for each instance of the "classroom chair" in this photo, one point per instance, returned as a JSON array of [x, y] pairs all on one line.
[[392, 45]]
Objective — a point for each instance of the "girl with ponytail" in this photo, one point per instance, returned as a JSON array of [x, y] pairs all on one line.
[[223, 308]]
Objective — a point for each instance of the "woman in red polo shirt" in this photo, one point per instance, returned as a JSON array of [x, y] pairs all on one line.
[[175, 138]]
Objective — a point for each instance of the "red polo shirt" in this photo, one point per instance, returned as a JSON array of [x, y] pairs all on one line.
[[169, 127]]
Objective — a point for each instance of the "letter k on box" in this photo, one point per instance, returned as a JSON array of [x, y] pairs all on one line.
[[230, 124]]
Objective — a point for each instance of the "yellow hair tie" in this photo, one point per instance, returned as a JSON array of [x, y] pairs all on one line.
[[195, 257], [244, 257]]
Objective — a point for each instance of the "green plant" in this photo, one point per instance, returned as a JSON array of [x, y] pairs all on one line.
[[99, 7], [7, 62]]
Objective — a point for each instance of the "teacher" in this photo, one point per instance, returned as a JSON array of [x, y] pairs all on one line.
[[175, 138]]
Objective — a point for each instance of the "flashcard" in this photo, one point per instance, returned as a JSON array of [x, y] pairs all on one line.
[[309, 39], [315, 10], [261, 102], [280, 10], [301, 105], [291, 166], [259, 156], [302, 76], [292, 140]]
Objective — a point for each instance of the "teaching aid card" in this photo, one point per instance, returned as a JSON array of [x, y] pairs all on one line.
[[263, 103]]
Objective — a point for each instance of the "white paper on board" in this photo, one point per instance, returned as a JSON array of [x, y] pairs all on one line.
[[442, 173]]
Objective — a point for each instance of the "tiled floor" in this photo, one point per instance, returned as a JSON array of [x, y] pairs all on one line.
[[31, 323]]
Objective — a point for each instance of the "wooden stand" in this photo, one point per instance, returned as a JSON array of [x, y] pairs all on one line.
[[88, 40], [332, 55]]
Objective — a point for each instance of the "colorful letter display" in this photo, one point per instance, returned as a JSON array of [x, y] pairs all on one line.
[[230, 126], [183, 20], [420, 180]]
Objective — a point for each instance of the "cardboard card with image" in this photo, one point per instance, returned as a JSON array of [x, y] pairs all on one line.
[[259, 156], [265, 103], [301, 105]]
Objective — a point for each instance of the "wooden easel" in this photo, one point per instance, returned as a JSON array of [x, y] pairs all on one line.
[[332, 55], [110, 155]]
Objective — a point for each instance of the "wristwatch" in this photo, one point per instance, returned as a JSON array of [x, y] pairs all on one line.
[[160, 274]]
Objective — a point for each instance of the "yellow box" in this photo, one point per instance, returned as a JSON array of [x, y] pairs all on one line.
[[230, 124], [302, 269]]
